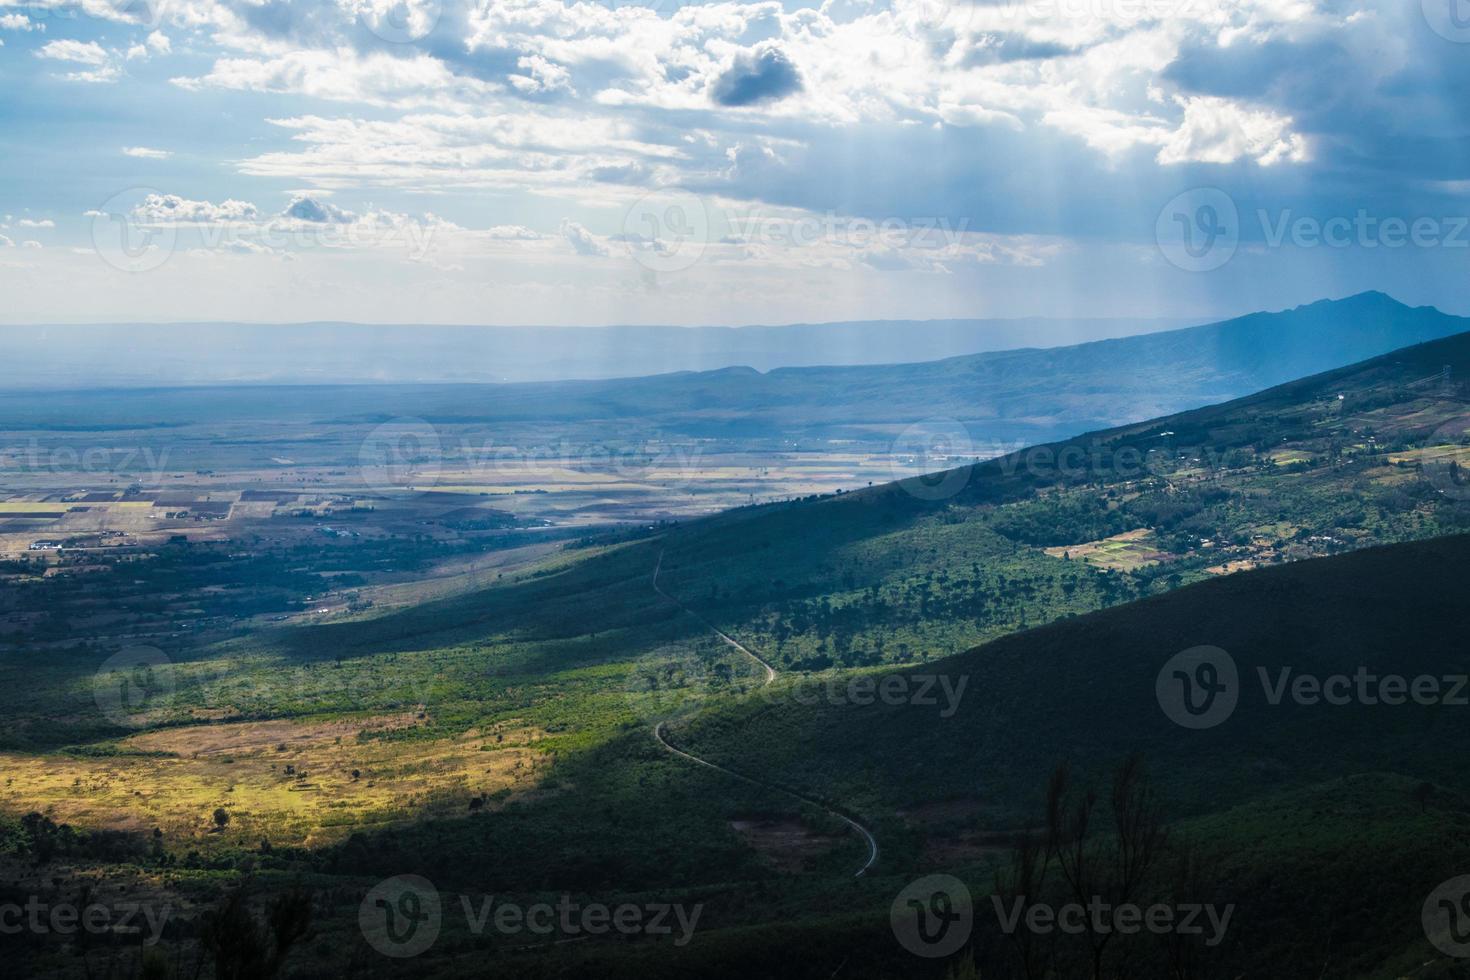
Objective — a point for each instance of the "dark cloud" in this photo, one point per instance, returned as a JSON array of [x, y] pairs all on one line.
[[763, 76], [995, 49]]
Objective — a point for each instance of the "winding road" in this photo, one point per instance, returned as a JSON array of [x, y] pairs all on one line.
[[661, 735]]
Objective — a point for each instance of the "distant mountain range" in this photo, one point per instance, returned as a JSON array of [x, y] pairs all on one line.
[[1000, 398], [349, 353]]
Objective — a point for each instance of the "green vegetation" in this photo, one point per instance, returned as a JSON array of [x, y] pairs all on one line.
[[500, 740]]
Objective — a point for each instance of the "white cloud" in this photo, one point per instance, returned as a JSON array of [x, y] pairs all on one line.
[[146, 153], [6, 242], [35, 223], [159, 43], [583, 242], [342, 75], [80, 52], [1217, 130], [513, 233], [310, 209], [19, 22], [170, 208], [88, 53], [32, 244]]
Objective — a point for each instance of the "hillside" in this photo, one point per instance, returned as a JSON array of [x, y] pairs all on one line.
[[1082, 690], [503, 740]]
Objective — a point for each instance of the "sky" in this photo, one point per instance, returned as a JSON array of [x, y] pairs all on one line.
[[655, 161]]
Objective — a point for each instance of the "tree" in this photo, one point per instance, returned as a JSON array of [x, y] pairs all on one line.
[[245, 949], [221, 818]]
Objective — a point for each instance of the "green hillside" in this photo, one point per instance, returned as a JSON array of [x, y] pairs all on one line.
[[503, 741]]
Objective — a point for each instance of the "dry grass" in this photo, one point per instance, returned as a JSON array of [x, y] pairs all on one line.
[[288, 782]]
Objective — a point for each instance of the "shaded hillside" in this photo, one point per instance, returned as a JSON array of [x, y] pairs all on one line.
[[1084, 690]]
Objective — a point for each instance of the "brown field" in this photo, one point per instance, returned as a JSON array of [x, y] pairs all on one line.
[[1121, 552]]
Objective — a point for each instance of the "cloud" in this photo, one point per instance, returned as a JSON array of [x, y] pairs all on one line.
[[1216, 130], [583, 242], [309, 209], [343, 75], [764, 75], [146, 153], [80, 52], [88, 53], [6, 242], [513, 233], [170, 208], [159, 43], [32, 244], [35, 223], [19, 22]]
